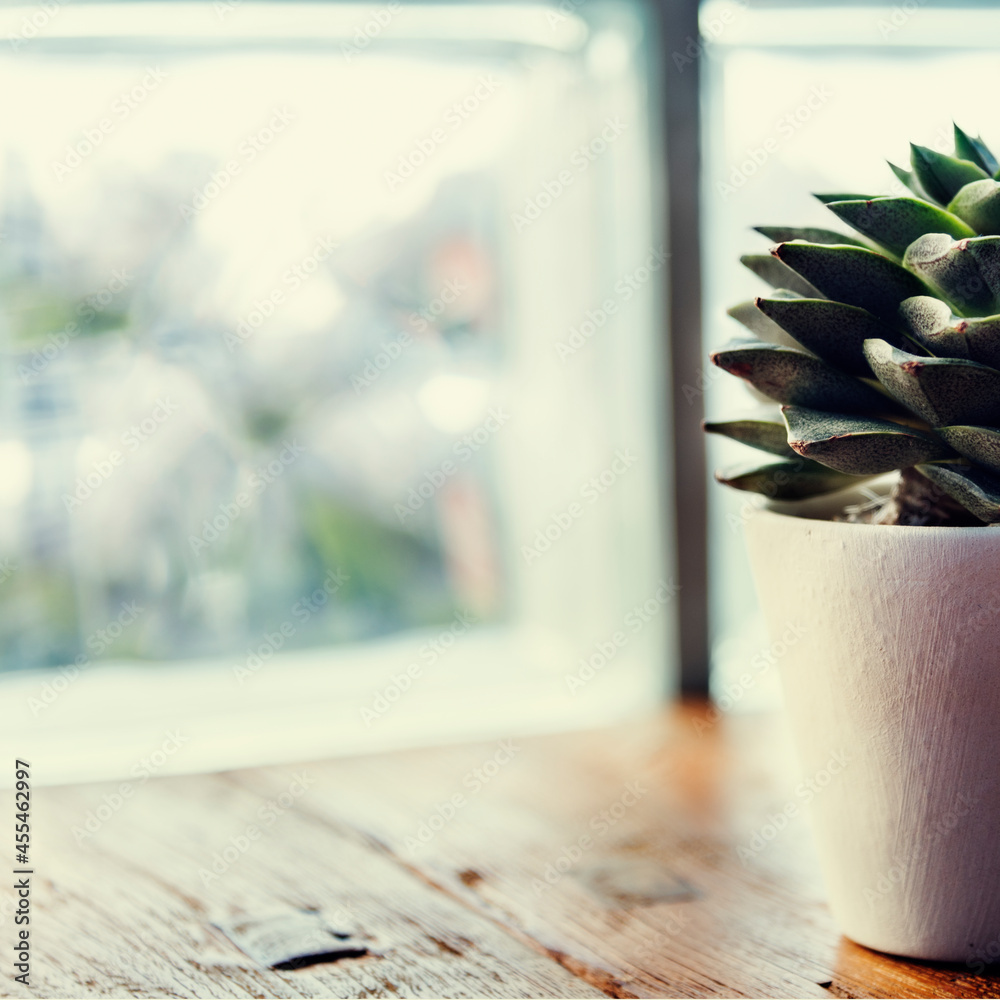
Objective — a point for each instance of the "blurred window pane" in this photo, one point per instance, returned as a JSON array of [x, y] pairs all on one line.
[[328, 330]]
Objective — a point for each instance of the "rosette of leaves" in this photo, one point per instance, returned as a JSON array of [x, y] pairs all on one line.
[[882, 348]]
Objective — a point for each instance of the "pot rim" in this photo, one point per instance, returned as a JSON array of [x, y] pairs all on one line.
[[819, 510], [781, 510]]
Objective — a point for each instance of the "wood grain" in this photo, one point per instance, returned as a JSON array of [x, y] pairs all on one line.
[[499, 896]]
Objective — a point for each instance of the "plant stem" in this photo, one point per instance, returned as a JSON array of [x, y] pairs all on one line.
[[915, 500]]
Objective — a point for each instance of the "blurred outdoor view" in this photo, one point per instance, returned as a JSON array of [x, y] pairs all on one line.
[[157, 276], [259, 318]]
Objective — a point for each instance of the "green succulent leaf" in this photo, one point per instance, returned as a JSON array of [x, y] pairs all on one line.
[[931, 322], [768, 435], [859, 446], [794, 480], [978, 204], [981, 444], [834, 331], [894, 223], [883, 349], [940, 175], [908, 179], [792, 376], [941, 391], [811, 234], [853, 275], [966, 273], [976, 490], [757, 323], [827, 198], [777, 275], [975, 150]]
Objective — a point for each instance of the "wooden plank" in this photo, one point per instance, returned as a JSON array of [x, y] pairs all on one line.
[[581, 865], [750, 925], [643, 796], [129, 911]]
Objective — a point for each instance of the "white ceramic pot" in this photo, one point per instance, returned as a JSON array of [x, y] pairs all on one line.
[[895, 668]]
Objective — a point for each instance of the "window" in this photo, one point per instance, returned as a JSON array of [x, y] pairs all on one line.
[[329, 405]]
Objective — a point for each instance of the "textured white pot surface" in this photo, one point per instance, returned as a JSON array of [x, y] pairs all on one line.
[[896, 669]]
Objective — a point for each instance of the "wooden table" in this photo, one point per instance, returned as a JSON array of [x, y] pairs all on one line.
[[585, 865]]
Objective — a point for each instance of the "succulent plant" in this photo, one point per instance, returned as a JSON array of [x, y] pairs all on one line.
[[883, 349]]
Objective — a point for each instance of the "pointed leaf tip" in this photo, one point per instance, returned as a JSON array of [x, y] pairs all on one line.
[[792, 376], [834, 331], [777, 275], [940, 175], [789, 480], [974, 149], [767, 435]]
